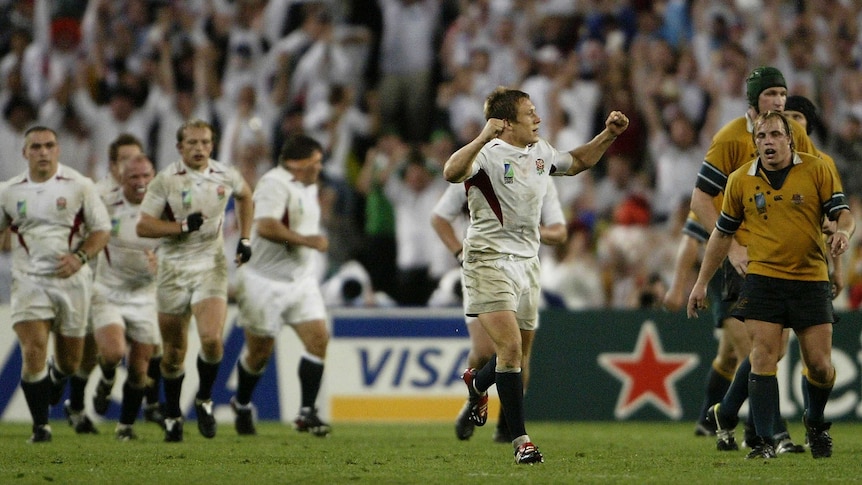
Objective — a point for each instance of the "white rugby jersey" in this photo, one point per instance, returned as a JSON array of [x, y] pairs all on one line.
[[451, 204], [278, 195], [124, 264], [50, 218], [106, 185], [178, 191], [505, 195]]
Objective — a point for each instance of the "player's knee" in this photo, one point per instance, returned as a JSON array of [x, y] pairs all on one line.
[[111, 357]]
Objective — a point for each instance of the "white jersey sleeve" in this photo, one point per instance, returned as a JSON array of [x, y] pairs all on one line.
[[452, 203]]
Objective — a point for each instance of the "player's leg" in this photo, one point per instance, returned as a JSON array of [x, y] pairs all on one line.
[[35, 382], [74, 406], [481, 350], [134, 388], [815, 344], [250, 367], [175, 333], [153, 407], [763, 384], [210, 314], [111, 344], [315, 338]]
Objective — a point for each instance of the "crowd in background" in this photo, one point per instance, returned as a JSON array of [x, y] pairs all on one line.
[[391, 88]]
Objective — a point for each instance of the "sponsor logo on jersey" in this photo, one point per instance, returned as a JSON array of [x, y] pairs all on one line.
[[797, 199]]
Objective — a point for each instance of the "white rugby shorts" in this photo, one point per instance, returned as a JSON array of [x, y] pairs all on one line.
[[265, 305]]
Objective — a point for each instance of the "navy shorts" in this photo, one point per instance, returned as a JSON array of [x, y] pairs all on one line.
[[790, 303]]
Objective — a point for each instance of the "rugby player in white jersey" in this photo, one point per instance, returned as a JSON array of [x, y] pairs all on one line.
[[279, 285], [124, 295], [125, 147], [447, 213], [504, 170], [185, 207], [58, 223]]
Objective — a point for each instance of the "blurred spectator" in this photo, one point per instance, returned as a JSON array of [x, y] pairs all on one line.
[[18, 114], [622, 252], [413, 190], [245, 142], [846, 148], [573, 275], [407, 55], [620, 182], [379, 250]]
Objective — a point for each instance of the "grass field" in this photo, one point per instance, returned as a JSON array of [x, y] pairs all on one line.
[[412, 453]]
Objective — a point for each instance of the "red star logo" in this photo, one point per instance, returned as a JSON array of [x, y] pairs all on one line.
[[648, 374]]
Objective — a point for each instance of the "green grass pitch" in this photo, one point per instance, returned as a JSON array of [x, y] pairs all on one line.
[[575, 452]]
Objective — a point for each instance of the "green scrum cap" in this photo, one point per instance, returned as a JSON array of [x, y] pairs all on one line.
[[761, 79]]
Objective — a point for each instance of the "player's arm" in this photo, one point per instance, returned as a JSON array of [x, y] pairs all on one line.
[[446, 233], [702, 204], [554, 234], [244, 210], [459, 166], [683, 270], [587, 155], [151, 226], [716, 250], [275, 231]]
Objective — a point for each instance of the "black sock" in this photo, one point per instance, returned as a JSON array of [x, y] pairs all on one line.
[[716, 388], [37, 394], [487, 375], [510, 387], [109, 372], [310, 375], [763, 397], [154, 372], [502, 426], [737, 393], [77, 384], [173, 388], [207, 374], [246, 384], [132, 397], [817, 398], [58, 383]]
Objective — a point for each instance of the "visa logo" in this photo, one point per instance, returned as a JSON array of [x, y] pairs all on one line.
[[423, 367]]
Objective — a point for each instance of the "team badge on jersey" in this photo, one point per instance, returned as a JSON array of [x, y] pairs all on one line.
[[22, 208], [220, 192], [186, 195], [797, 199], [540, 166], [760, 202], [508, 173], [61, 203]]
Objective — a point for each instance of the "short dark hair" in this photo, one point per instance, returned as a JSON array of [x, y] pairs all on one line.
[[502, 103], [299, 147], [807, 108], [36, 128], [122, 140]]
